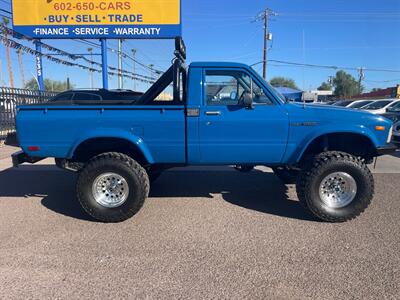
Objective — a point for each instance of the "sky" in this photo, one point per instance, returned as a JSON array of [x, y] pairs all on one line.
[[343, 33]]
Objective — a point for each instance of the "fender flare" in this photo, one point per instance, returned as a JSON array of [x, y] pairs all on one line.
[[312, 136], [134, 139]]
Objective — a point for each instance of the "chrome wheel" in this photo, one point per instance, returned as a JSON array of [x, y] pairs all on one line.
[[337, 189], [110, 190]]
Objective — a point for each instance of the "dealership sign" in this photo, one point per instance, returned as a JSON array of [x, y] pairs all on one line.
[[58, 19]]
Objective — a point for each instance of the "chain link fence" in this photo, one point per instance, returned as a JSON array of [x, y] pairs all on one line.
[[10, 99]]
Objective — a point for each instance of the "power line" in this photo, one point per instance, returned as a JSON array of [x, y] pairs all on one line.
[[5, 16], [17, 35], [124, 54], [327, 66], [6, 11], [382, 81]]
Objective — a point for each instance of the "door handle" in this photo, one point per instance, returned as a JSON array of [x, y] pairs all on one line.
[[213, 113]]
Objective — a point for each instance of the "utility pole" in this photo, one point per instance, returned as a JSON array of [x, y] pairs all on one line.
[[134, 67], [264, 16], [90, 50], [331, 80], [361, 77], [120, 78]]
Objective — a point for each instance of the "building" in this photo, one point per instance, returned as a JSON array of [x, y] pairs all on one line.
[[391, 92], [317, 96]]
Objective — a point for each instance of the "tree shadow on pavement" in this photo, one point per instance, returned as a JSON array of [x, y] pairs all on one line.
[[56, 187], [257, 190]]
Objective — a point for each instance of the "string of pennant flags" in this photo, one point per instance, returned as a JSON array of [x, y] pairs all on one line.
[[5, 31]]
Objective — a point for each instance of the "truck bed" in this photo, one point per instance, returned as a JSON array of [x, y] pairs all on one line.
[[57, 130]]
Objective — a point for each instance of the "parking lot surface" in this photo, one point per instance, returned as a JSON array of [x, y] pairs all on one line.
[[203, 233]]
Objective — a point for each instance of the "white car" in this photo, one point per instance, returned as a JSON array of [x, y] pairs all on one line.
[[359, 103], [379, 106]]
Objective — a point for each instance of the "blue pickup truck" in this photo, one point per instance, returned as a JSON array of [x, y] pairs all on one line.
[[218, 114]]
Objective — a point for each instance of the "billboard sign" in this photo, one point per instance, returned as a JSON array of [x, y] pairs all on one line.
[[66, 19]]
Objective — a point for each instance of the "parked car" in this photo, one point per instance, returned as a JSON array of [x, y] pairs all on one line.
[[96, 96], [330, 102], [379, 107], [396, 134], [225, 114], [359, 104], [393, 113], [342, 103]]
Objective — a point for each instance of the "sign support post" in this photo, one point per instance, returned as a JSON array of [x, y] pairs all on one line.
[[104, 62], [39, 65]]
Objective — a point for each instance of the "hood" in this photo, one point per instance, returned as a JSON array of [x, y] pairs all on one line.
[[313, 119], [329, 114], [315, 107]]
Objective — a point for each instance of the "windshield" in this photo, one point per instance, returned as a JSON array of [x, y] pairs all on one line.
[[359, 104], [377, 104], [342, 103], [395, 107], [278, 94], [274, 91]]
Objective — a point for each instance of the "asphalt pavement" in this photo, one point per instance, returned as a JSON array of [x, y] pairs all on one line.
[[203, 233]]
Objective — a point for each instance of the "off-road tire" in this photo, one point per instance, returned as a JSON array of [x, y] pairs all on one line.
[[286, 174], [314, 172], [123, 165]]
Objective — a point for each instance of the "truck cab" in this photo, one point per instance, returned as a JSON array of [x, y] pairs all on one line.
[[235, 118]]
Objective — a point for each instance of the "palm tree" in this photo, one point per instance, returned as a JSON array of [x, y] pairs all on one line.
[[6, 21], [21, 66]]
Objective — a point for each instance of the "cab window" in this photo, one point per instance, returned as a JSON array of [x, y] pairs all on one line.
[[86, 97], [62, 97], [228, 87]]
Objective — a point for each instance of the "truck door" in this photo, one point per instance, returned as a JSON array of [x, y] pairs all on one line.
[[230, 132]]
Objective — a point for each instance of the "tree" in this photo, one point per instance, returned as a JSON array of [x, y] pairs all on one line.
[[6, 21], [345, 85], [325, 87], [283, 81], [49, 85]]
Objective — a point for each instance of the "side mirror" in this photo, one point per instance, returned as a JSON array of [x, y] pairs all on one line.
[[248, 100]]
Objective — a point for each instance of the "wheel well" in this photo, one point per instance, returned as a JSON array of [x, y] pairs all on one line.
[[352, 143], [95, 146]]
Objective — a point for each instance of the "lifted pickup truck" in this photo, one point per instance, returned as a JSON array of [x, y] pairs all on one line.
[[220, 114]]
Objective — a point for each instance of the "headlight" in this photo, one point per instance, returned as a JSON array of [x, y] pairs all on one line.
[[390, 135]]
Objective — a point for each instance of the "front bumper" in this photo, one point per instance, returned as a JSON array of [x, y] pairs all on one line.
[[389, 148], [21, 157]]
